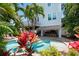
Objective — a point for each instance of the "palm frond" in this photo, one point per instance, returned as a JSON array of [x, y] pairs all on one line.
[[4, 27]]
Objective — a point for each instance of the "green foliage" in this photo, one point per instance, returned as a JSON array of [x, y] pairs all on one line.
[[72, 52], [8, 12], [32, 11], [4, 28], [1, 52], [71, 18], [76, 29], [15, 30], [52, 51], [2, 46]]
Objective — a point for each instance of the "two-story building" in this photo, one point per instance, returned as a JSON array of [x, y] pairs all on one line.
[[52, 19]]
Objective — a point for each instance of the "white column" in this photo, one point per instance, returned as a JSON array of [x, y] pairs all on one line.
[[59, 33], [41, 32]]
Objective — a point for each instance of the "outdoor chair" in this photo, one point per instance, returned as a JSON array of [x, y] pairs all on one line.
[[74, 45]]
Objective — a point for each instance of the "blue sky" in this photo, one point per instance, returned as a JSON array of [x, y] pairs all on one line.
[[23, 6]]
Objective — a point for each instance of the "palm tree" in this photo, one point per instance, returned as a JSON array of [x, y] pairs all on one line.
[[38, 11], [29, 13], [17, 8], [5, 28], [32, 12], [8, 12]]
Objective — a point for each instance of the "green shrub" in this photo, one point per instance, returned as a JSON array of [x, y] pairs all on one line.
[[76, 29], [15, 30], [2, 44], [72, 52], [52, 51], [2, 47]]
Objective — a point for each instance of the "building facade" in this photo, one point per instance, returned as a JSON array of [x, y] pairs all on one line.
[[52, 19]]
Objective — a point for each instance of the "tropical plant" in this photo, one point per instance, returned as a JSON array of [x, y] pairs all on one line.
[[2, 44], [52, 51], [4, 28], [29, 13], [72, 52], [38, 10], [76, 29], [2, 47], [8, 12], [71, 19], [15, 31], [32, 12]]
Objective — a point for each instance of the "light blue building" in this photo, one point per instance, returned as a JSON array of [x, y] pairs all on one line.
[[52, 20]]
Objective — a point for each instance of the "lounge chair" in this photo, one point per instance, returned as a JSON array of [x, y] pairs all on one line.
[[74, 45]]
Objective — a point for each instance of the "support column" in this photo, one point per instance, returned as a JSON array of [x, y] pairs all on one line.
[[59, 33], [41, 32]]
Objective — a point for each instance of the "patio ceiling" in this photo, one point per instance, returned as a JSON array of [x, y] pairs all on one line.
[[55, 27]]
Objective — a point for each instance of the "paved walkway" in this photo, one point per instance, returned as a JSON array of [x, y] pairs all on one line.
[[59, 43]]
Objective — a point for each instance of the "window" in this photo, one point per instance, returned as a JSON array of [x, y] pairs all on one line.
[[38, 19], [54, 16], [49, 16], [62, 6], [49, 4]]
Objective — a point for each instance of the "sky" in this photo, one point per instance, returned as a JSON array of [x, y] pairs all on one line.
[[24, 20], [23, 6]]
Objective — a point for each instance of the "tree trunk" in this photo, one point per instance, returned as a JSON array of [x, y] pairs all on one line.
[[33, 26], [35, 22], [28, 24]]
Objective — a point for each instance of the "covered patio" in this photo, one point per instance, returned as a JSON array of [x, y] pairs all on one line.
[[43, 29]]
